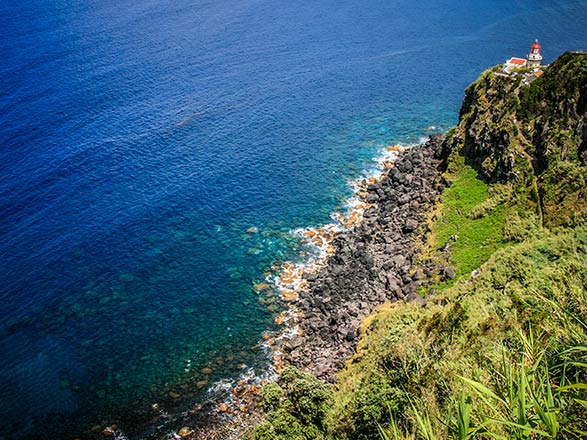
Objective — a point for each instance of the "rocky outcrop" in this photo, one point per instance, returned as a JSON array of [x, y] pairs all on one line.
[[487, 133], [531, 135], [553, 112], [373, 263]]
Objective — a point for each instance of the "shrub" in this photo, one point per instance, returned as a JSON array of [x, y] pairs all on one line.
[[296, 406]]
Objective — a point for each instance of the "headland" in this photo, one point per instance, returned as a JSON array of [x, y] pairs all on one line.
[[474, 249]]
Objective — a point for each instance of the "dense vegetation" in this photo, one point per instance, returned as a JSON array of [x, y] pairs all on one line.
[[501, 350]]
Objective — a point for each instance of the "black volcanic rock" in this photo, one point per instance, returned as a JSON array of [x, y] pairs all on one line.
[[372, 263]]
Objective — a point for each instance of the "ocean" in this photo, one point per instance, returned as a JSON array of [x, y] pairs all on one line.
[[155, 157]]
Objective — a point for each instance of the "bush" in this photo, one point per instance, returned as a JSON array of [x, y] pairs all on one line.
[[520, 226], [371, 407], [297, 407], [271, 396]]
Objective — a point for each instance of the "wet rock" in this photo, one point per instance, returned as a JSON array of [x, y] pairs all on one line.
[[185, 432], [110, 430], [262, 287]]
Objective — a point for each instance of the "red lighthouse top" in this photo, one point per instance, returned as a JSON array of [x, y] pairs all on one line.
[[536, 45]]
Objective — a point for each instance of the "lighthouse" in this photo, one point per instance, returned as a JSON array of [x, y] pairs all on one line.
[[534, 57]]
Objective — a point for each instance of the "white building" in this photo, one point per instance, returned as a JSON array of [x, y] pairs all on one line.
[[513, 63], [533, 59]]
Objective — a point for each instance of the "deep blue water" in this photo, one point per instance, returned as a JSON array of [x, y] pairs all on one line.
[[140, 140]]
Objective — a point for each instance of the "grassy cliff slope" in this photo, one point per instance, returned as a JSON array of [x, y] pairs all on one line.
[[500, 350]]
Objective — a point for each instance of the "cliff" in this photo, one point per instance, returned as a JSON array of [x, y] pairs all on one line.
[[482, 319], [533, 135]]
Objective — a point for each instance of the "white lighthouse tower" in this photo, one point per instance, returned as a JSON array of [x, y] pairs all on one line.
[[534, 57]]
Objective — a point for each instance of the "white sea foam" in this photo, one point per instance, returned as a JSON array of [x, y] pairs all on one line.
[[290, 279]]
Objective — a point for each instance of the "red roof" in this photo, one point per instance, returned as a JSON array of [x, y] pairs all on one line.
[[518, 61], [536, 45]]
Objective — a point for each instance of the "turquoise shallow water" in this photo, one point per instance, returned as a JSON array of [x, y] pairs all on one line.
[[141, 140]]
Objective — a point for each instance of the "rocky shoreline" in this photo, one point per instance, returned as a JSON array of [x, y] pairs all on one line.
[[370, 263], [364, 261]]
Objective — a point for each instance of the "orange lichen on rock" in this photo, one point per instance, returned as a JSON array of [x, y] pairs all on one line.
[[185, 432], [281, 318], [289, 295]]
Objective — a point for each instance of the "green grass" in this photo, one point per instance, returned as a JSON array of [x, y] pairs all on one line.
[[479, 234], [502, 355], [496, 356], [505, 332]]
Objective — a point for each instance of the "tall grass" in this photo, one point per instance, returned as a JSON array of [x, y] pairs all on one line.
[[526, 400]]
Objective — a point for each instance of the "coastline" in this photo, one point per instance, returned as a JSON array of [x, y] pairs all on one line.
[[360, 261], [381, 257], [363, 265]]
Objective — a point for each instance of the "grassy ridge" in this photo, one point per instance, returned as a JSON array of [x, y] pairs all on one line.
[[500, 352], [416, 369]]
